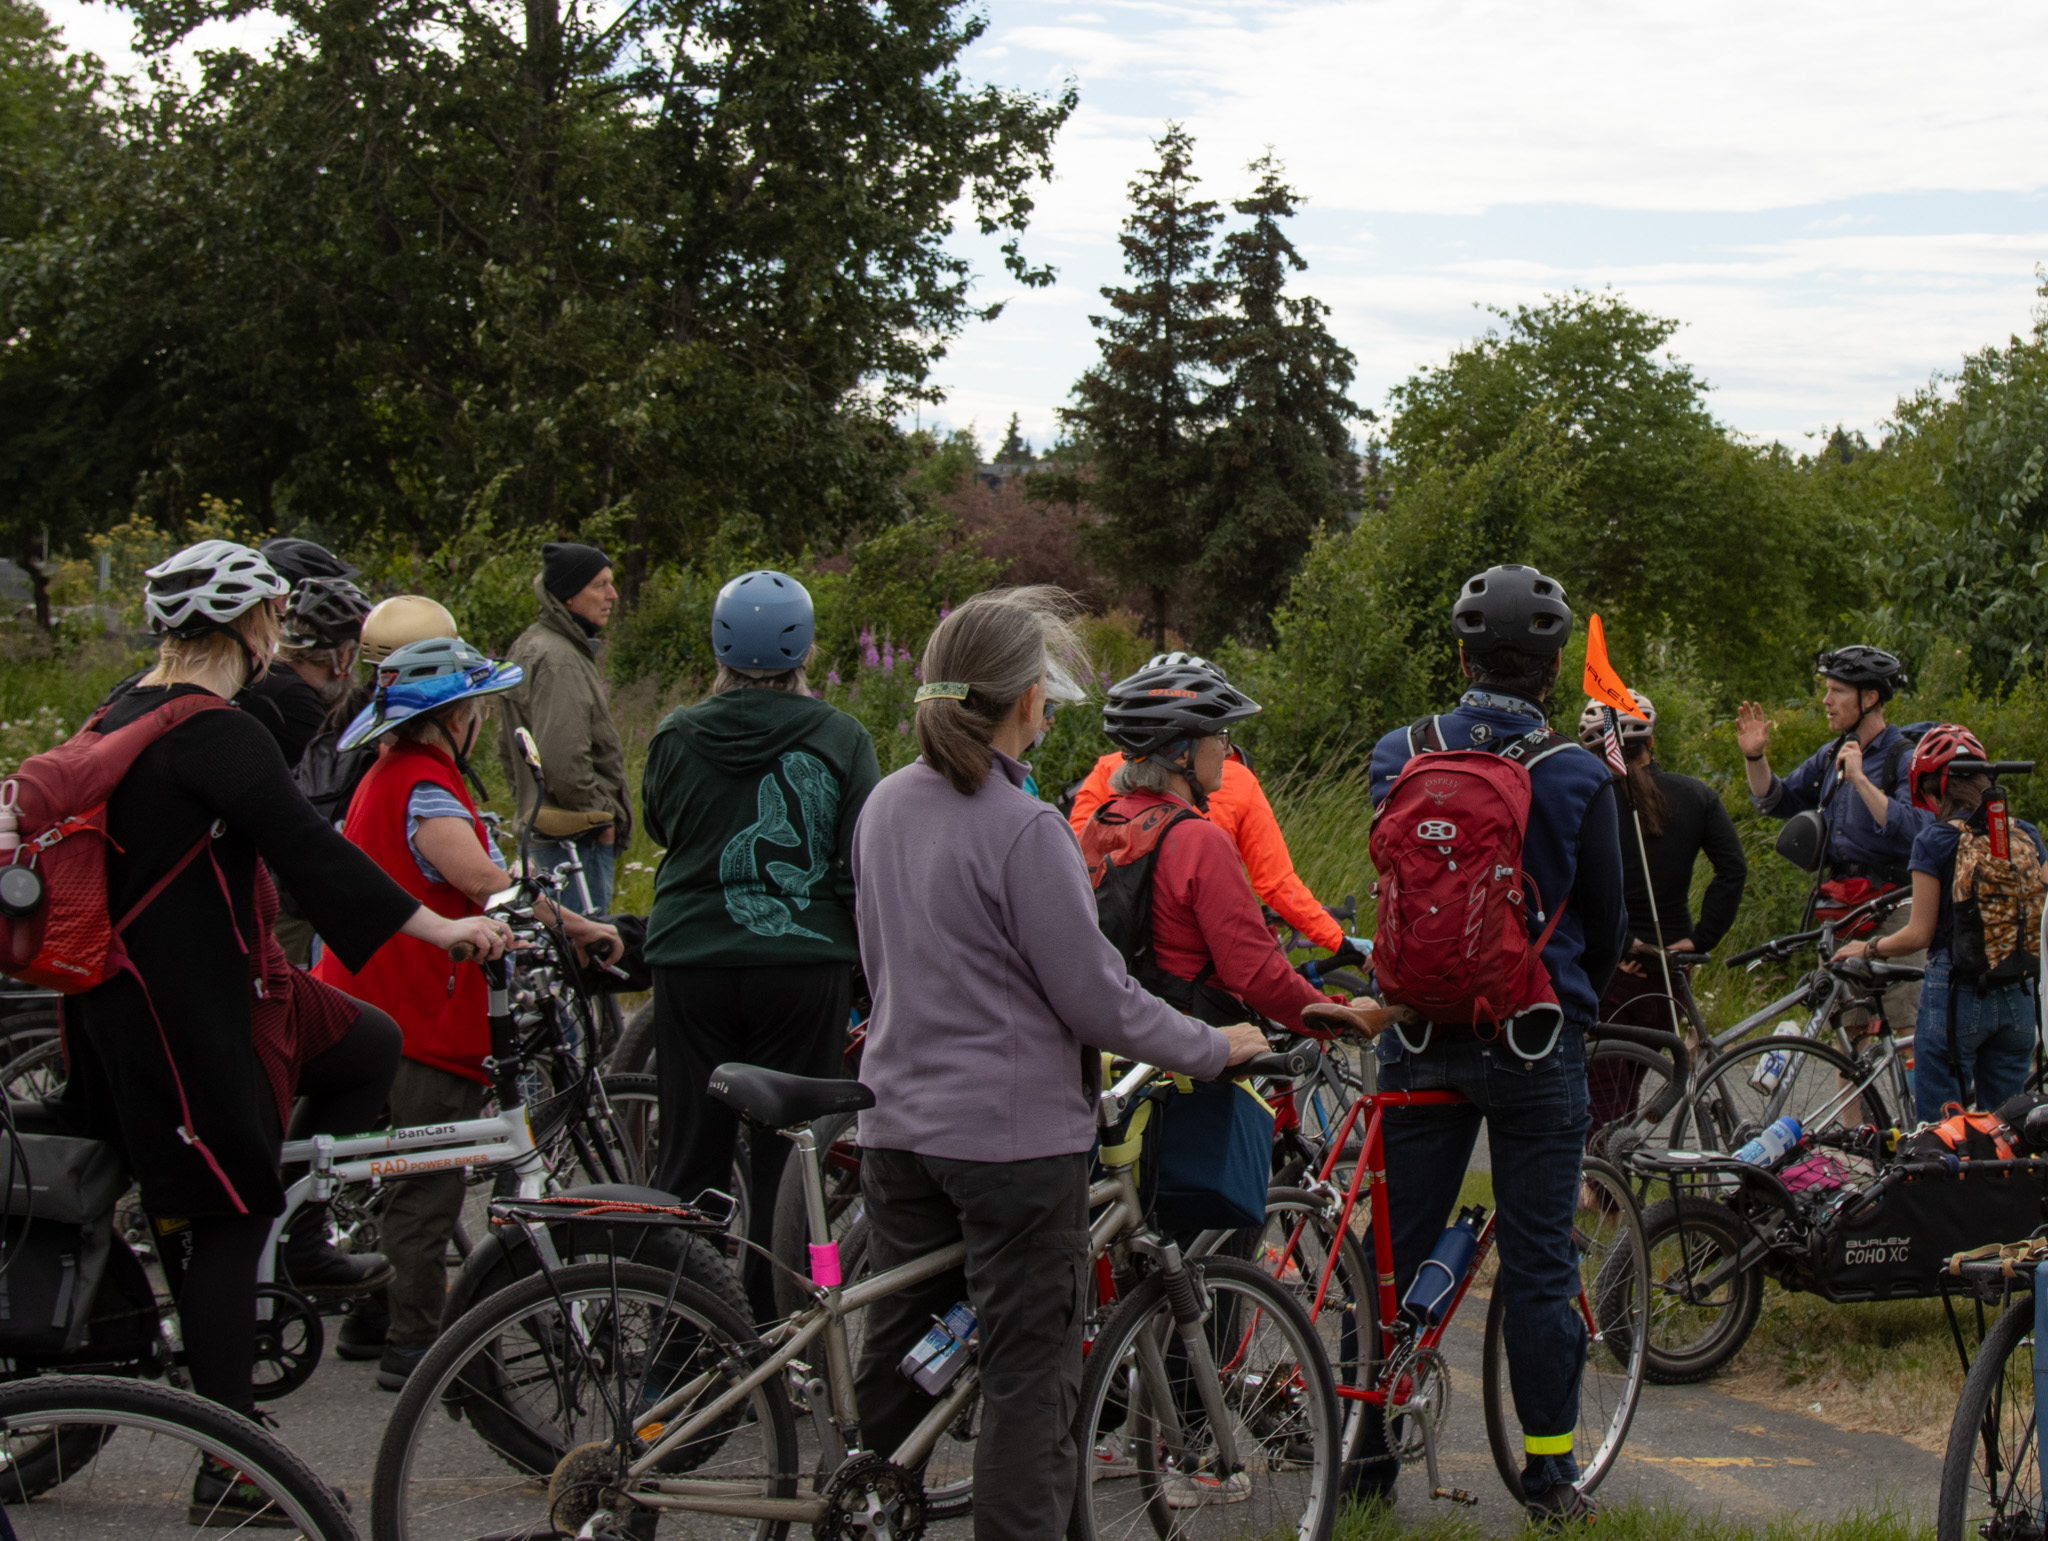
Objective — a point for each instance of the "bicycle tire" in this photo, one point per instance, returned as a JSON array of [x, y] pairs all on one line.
[[37, 1073], [425, 1459], [1615, 1292], [1994, 1422], [792, 1226], [1709, 1233], [633, 1054], [1731, 1111], [108, 1404], [634, 1126], [1669, 1133], [1283, 1396]]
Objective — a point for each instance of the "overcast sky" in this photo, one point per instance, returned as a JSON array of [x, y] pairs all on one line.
[[1837, 200]]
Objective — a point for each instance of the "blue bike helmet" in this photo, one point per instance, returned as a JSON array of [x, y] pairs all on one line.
[[424, 677], [762, 620]]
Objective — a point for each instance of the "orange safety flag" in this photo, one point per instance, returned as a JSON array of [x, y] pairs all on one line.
[[1602, 683]]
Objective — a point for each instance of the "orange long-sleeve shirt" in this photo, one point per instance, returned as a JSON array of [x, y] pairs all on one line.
[[1239, 808]]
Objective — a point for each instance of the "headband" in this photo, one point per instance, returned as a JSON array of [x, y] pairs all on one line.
[[943, 690]]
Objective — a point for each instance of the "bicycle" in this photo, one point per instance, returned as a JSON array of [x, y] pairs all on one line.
[[64, 1425], [645, 1395], [1393, 1363]]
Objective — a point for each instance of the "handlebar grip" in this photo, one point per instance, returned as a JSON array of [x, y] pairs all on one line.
[[463, 952], [1292, 1063]]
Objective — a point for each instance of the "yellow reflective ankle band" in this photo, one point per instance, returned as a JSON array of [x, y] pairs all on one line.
[[1547, 1444]]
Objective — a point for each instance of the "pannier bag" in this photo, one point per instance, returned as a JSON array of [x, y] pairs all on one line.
[[57, 1244], [1455, 907], [1205, 1155]]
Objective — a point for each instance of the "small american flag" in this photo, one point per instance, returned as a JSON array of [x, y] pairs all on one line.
[[1610, 742]]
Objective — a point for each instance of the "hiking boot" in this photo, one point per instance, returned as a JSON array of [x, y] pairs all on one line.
[[363, 1330], [1198, 1490], [1562, 1504], [396, 1365], [222, 1498], [320, 1271]]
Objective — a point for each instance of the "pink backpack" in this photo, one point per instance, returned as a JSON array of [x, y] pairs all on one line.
[[1452, 933], [55, 928]]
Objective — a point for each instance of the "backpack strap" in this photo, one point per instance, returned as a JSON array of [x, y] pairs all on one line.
[[1533, 748], [1425, 736]]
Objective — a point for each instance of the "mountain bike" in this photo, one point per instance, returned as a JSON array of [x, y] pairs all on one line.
[[117, 1457], [1991, 1470], [645, 1395]]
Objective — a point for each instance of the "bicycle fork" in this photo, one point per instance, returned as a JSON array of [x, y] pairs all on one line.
[[1184, 1298]]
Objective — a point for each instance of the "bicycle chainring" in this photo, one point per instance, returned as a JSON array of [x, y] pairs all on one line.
[[584, 1483], [1428, 1379], [871, 1498]]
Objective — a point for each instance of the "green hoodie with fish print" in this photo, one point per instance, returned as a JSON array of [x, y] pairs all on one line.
[[753, 795]]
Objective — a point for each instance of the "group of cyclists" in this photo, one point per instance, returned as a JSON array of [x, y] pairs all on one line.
[[333, 821]]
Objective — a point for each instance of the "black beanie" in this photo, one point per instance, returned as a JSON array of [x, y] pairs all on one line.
[[566, 569]]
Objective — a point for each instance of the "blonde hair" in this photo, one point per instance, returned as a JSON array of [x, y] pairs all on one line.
[[998, 645], [217, 655]]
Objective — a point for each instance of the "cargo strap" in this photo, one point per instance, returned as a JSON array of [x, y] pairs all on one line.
[[1128, 1149]]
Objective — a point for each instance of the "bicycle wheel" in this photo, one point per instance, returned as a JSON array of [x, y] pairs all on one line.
[[1696, 1327], [183, 1461], [633, 1129], [1276, 1391], [1640, 1078], [633, 1054], [1613, 1312], [1990, 1474], [576, 1358], [37, 1072], [1736, 1100], [839, 1161]]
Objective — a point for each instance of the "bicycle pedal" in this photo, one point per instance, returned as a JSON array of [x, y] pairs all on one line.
[[1456, 1495]]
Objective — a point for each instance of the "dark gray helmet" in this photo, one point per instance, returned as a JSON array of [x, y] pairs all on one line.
[[1151, 710], [295, 560], [1867, 668], [324, 612], [1512, 606]]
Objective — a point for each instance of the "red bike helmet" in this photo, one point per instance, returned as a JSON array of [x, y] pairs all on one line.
[[1943, 744]]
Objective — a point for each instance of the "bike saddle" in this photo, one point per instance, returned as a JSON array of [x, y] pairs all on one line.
[[779, 1101]]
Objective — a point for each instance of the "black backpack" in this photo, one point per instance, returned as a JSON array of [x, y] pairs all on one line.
[[328, 776], [1122, 855]]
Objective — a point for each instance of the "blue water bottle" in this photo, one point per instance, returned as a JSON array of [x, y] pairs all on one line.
[[1782, 1136], [1436, 1281]]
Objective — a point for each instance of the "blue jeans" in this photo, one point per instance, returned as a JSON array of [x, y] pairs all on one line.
[[1536, 1123], [1994, 1040], [597, 871]]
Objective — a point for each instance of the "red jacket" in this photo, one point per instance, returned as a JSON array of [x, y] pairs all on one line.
[[440, 1005], [1239, 808], [1204, 912]]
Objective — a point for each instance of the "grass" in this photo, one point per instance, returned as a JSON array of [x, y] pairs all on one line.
[[1634, 1521]]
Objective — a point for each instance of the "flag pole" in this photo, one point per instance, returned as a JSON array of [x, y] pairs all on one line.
[[1649, 888]]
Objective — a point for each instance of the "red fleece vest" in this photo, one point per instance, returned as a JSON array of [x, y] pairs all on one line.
[[441, 1005]]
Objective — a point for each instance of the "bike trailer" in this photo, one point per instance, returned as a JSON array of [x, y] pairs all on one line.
[[1892, 1241]]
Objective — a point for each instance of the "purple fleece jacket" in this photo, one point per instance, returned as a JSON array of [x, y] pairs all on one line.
[[977, 931]]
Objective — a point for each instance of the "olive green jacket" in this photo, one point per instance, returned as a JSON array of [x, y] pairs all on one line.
[[563, 703]]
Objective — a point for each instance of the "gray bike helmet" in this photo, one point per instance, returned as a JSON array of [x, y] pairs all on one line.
[[1512, 606], [324, 612], [1149, 712], [1867, 668], [424, 677], [1593, 722], [206, 586], [762, 621]]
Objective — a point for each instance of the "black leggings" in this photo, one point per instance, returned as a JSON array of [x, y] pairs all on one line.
[[212, 1259]]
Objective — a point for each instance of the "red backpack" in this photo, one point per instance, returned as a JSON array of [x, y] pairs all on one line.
[[1452, 934], [55, 929]]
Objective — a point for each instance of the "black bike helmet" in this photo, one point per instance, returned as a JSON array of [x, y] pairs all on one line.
[[1512, 606], [324, 612], [1152, 710], [1867, 668], [296, 560]]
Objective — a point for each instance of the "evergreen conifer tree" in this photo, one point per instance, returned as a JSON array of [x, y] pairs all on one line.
[[1146, 407], [1281, 463], [1015, 448]]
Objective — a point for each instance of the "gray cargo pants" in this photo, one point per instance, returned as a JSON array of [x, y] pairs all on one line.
[[422, 1211], [1026, 1228]]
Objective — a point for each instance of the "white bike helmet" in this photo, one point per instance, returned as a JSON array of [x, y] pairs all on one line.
[[206, 586], [1184, 660], [1593, 722]]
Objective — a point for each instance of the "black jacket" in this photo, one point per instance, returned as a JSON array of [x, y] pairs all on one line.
[[1697, 822]]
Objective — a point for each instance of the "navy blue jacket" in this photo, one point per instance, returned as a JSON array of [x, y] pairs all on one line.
[[1854, 837], [1573, 847]]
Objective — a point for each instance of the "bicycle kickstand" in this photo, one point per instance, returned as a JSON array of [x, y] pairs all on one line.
[[1456, 1495]]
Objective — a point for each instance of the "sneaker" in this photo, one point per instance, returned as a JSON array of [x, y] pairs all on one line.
[[1562, 1504], [396, 1365], [1197, 1490], [222, 1498], [364, 1327], [1113, 1457]]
